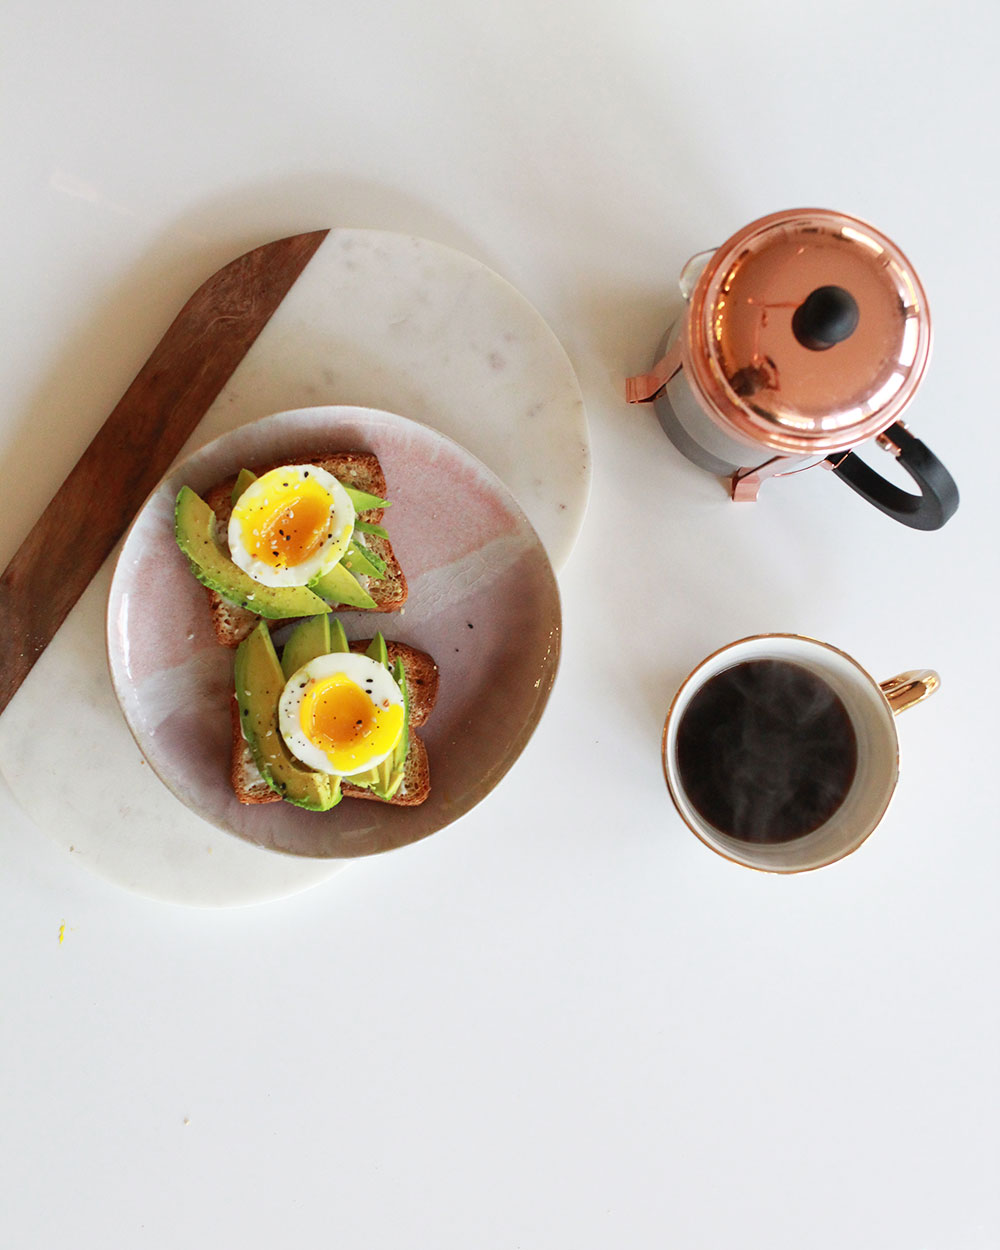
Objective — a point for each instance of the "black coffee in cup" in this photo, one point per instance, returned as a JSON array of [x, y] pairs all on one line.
[[766, 751]]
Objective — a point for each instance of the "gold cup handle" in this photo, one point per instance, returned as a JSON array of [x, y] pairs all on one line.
[[909, 689]]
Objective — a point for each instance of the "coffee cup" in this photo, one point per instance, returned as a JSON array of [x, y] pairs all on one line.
[[780, 752]]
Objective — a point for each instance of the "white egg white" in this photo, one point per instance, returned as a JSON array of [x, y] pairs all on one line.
[[371, 676], [268, 495]]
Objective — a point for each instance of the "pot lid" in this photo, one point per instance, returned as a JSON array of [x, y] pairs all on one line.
[[809, 332]]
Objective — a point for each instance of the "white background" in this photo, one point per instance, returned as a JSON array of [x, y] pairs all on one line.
[[561, 1022]]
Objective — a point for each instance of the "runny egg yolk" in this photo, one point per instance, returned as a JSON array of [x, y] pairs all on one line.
[[287, 528], [342, 720]]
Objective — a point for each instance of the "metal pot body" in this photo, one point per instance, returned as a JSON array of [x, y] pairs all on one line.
[[694, 432], [805, 335]]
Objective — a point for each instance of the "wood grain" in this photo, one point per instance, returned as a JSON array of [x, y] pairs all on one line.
[[135, 446]]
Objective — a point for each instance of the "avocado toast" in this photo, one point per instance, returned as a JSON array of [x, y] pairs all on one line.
[[367, 575], [267, 763]]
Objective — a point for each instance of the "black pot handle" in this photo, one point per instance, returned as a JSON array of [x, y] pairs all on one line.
[[938, 496]]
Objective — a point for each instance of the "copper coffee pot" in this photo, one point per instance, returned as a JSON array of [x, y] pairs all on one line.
[[806, 334]]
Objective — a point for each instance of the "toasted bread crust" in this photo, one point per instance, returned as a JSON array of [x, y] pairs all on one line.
[[422, 685], [360, 469]]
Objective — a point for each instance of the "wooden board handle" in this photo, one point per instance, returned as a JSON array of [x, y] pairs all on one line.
[[136, 445]]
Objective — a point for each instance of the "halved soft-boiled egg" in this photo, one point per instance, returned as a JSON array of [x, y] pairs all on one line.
[[341, 713], [291, 525]]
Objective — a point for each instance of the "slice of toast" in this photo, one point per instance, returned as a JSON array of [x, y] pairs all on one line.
[[360, 469], [422, 687]]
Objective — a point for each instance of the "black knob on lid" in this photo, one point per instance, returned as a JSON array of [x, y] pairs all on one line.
[[827, 316]]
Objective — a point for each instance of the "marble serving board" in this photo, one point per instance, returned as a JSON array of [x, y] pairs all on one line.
[[376, 320]]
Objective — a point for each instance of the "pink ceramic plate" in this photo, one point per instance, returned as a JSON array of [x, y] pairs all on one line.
[[483, 601]]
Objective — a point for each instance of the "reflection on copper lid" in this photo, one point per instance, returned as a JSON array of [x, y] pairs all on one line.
[[851, 362]]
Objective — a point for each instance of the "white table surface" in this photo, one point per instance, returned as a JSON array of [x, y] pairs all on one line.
[[561, 1022]]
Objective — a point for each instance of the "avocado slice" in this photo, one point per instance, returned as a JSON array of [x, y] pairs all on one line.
[[363, 501], [359, 559], [259, 683], [338, 639], [306, 641], [376, 650], [245, 479], [194, 528], [368, 779], [369, 527], [389, 779], [337, 585], [393, 768]]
